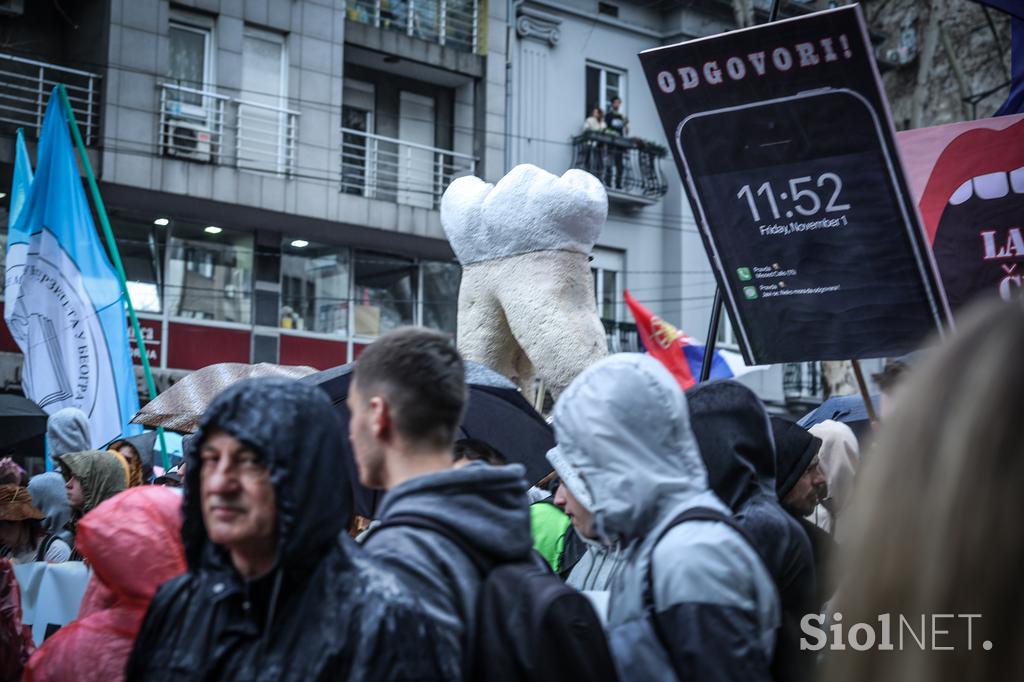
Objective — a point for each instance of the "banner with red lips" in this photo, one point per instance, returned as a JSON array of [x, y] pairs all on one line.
[[968, 181]]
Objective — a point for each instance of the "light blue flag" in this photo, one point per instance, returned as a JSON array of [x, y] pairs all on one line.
[[22, 182], [63, 304]]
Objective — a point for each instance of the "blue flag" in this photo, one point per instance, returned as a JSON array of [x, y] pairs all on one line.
[[22, 180], [63, 300]]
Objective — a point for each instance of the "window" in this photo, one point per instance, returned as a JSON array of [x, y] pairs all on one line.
[[190, 63], [315, 288], [5, 217], [384, 296], [607, 267], [603, 85], [356, 117], [726, 336], [262, 120], [142, 246], [607, 9], [440, 294], [209, 273]]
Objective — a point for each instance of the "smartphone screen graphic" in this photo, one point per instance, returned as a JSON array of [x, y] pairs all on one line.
[[798, 203]]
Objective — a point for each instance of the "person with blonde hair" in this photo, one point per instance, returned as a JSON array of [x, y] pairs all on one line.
[[933, 535]]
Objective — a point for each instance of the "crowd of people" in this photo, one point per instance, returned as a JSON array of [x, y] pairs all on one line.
[[681, 535]]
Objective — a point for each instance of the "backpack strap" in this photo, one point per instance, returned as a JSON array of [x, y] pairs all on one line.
[[691, 514], [427, 523], [44, 546]]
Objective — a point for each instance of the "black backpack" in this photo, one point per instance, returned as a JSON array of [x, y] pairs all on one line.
[[529, 624]]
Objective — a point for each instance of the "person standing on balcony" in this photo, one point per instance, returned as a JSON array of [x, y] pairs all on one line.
[[594, 122], [617, 124], [593, 149]]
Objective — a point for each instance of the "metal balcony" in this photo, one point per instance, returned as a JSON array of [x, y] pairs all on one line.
[[451, 23], [802, 383], [192, 123], [629, 168], [389, 169], [25, 86]]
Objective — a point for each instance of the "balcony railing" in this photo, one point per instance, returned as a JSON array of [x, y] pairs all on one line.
[[25, 87], [622, 337], [630, 169], [192, 123], [379, 167], [454, 23]]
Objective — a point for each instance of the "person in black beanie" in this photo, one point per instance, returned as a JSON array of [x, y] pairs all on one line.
[[800, 485]]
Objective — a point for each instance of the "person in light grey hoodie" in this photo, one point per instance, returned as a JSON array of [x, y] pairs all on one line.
[[50, 496], [67, 430], [692, 599]]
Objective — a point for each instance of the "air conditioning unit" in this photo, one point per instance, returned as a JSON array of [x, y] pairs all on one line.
[[189, 140]]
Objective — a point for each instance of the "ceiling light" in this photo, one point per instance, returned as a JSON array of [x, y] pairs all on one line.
[[212, 229], [300, 243], [161, 222]]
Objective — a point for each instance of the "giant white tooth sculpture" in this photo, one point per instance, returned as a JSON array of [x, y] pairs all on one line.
[[526, 302]]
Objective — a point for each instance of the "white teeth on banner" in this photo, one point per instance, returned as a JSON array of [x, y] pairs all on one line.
[[1017, 180], [989, 186], [992, 186], [962, 194]]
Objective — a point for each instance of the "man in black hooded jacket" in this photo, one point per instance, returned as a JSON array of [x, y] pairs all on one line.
[[735, 439], [276, 590]]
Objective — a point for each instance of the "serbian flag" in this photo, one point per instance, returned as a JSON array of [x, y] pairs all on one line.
[[681, 354]]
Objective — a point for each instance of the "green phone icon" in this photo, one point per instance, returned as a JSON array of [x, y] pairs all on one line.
[[750, 293], [744, 274]]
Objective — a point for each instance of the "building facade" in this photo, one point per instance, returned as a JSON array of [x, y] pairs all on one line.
[[272, 168]]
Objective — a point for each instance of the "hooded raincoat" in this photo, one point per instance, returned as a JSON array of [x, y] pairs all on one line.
[[50, 496], [626, 452], [840, 459], [133, 543], [102, 474], [737, 444], [325, 611], [67, 430], [484, 505]]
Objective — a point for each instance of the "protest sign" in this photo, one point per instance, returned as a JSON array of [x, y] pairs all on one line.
[[50, 595], [968, 180], [782, 136]]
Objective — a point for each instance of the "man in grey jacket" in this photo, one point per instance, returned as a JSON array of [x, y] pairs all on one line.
[[407, 398], [630, 464]]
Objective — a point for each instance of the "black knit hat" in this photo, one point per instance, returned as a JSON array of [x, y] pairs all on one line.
[[795, 447]]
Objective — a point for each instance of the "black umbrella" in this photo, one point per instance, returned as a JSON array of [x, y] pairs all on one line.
[[22, 426], [497, 414]]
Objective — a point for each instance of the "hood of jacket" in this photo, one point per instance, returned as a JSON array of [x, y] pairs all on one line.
[[795, 447], [625, 448], [67, 431], [133, 541], [294, 428], [840, 459], [50, 496], [735, 438], [144, 445], [486, 505], [102, 475]]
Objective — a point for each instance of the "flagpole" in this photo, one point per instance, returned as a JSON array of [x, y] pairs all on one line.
[[115, 256]]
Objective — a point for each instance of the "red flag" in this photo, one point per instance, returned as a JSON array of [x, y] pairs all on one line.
[[662, 341]]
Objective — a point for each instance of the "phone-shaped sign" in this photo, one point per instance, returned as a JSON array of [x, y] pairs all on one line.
[[799, 195]]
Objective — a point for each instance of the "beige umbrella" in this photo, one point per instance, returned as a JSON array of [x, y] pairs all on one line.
[[180, 406]]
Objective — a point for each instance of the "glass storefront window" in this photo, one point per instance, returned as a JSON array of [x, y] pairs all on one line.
[[315, 288], [384, 297], [209, 273], [441, 295], [142, 245]]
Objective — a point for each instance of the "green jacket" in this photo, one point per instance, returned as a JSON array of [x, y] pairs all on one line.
[[549, 524]]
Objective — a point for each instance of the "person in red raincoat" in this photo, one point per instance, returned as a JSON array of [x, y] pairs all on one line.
[[133, 543]]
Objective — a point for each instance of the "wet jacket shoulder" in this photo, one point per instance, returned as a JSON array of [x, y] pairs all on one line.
[[626, 446], [323, 611], [485, 506]]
